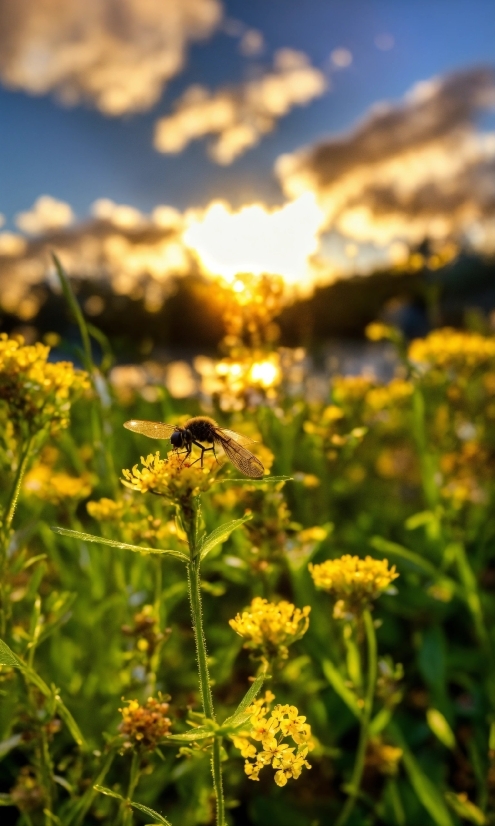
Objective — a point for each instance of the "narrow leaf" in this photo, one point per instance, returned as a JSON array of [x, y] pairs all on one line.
[[200, 733], [220, 534], [76, 311], [151, 812], [336, 680], [139, 806], [246, 701], [89, 537], [463, 807], [425, 789], [440, 727], [9, 744], [383, 546], [8, 658], [108, 792], [70, 722]]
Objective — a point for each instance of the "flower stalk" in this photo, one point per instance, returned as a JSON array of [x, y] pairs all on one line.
[[194, 583], [358, 769]]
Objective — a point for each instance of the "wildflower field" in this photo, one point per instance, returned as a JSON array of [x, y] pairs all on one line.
[[188, 645]]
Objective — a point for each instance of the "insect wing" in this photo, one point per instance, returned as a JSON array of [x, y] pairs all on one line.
[[241, 458], [222, 432], [154, 430]]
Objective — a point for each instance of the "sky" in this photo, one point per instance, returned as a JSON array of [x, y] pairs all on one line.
[[185, 102], [77, 154]]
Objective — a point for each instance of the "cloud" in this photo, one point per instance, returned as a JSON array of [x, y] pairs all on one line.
[[45, 215], [116, 54], [412, 170], [141, 255], [239, 116]]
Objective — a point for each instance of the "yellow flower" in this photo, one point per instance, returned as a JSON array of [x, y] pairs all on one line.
[[382, 756], [144, 725], [51, 486], [37, 393], [271, 627], [283, 722], [453, 350], [377, 331], [352, 581], [173, 477]]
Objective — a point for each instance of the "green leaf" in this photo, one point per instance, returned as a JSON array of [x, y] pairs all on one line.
[[464, 808], [220, 534], [383, 546], [139, 806], [108, 792], [200, 733], [150, 812], [336, 680], [8, 658], [69, 721], [76, 311], [89, 537], [239, 714], [425, 789], [440, 727], [11, 660], [9, 744]]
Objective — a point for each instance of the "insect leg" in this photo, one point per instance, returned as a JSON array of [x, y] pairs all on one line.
[[202, 449]]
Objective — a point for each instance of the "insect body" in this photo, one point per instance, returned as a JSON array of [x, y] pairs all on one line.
[[198, 431]]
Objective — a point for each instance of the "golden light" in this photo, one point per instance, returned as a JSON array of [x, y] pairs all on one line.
[[257, 240], [264, 373]]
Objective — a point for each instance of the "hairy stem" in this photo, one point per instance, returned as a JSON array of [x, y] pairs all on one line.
[[133, 781], [358, 769], [204, 678]]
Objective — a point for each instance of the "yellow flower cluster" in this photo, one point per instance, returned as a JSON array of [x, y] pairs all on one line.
[[132, 519], [106, 510], [449, 349], [271, 627], [271, 728], [37, 393], [389, 395], [52, 486], [352, 581], [350, 389], [173, 477], [144, 726], [378, 331], [383, 757]]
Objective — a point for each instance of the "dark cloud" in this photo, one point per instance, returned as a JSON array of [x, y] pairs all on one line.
[[406, 164]]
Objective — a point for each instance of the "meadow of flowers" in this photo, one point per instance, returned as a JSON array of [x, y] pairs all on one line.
[[185, 645]]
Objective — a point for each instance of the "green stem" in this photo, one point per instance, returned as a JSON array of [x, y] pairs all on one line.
[[357, 772], [84, 804], [16, 488], [133, 781], [193, 570], [5, 533]]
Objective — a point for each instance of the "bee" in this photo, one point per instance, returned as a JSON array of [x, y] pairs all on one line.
[[198, 430]]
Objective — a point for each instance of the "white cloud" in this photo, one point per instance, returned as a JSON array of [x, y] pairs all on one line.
[[116, 54], [46, 214], [239, 116]]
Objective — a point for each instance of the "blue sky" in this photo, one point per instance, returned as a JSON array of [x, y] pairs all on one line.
[[78, 154]]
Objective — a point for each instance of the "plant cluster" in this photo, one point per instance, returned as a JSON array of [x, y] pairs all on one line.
[[171, 633]]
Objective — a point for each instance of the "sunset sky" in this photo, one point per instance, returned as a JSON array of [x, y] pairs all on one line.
[[186, 102]]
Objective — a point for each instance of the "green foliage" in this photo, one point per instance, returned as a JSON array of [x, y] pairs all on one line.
[[403, 471]]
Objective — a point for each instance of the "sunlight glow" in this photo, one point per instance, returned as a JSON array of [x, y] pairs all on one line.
[[257, 240]]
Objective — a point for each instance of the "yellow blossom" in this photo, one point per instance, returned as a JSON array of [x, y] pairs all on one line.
[[382, 756], [144, 725], [36, 392], [377, 331], [173, 477], [272, 730], [52, 486], [352, 581], [271, 627], [453, 350]]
